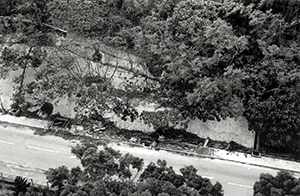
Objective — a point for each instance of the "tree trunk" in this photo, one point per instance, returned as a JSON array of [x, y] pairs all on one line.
[[2, 106], [21, 87], [22, 81]]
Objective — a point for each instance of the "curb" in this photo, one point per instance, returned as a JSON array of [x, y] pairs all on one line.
[[19, 124], [193, 154], [254, 164], [6, 118]]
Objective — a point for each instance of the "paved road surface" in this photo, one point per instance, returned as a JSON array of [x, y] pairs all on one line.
[[23, 153], [30, 155]]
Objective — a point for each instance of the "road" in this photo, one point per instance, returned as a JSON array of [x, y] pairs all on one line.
[[30, 155], [23, 153]]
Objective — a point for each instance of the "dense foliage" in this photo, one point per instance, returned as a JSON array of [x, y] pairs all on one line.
[[20, 186], [284, 183], [213, 60], [107, 172]]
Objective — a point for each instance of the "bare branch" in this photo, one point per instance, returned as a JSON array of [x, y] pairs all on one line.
[[111, 65]]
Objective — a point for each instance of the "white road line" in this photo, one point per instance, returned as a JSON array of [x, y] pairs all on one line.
[[72, 157], [37, 148], [240, 185], [208, 177], [5, 142]]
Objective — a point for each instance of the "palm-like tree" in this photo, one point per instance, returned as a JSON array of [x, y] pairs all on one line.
[[20, 186]]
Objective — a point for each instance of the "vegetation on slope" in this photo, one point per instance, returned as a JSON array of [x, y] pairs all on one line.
[[213, 60], [218, 60]]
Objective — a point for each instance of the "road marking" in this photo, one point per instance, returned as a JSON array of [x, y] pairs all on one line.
[[208, 177], [37, 148], [5, 142], [240, 185], [72, 157]]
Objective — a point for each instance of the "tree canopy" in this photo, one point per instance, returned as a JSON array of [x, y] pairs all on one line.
[[284, 183], [108, 172]]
